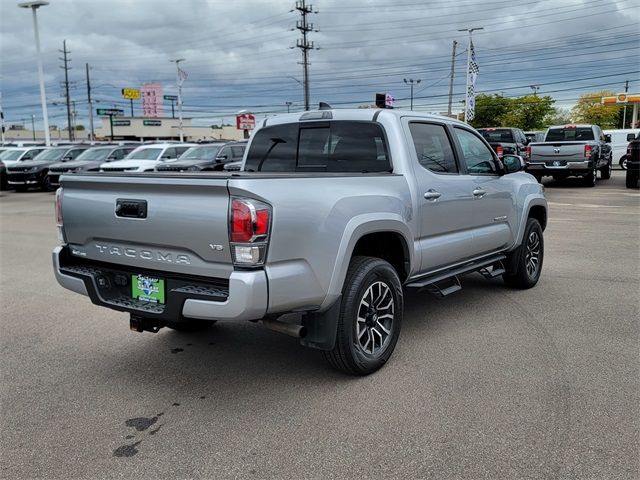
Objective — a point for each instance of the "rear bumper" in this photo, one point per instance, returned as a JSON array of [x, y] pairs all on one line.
[[561, 167], [243, 297]]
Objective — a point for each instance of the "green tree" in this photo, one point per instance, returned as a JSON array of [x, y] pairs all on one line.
[[80, 127], [590, 110], [560, 116], [529, 112], [490, 109]]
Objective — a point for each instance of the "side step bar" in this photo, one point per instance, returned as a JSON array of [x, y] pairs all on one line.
[[447, 282]]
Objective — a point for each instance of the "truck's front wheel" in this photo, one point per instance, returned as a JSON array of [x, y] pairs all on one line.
[[370, 317]]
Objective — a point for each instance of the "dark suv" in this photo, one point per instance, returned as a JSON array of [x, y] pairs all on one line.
[[88, 161], [206, 157], [33, 173]]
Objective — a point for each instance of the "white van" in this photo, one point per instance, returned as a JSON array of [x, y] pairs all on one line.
[[619, 141]]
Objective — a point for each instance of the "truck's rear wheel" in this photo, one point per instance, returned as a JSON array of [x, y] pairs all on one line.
[[589, 180], [370, 317], [526, 260], [631, 180]]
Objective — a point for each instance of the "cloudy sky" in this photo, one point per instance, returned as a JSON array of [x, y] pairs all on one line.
[[239, 55]]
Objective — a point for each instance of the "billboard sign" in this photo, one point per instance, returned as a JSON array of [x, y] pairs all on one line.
[[245, 121], [152, 123], [152, 100], [131, 93]]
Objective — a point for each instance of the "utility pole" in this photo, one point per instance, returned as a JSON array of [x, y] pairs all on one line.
[[66, 68], [453, 66], [180, 76], [304, 44], [624, 112], [466, 98], [1, 120], [33, 126], [91, 132]]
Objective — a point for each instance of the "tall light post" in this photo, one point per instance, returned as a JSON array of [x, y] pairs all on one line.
[[179, 85], [535, 89], [34, 5], [410, 82], [288, 104]]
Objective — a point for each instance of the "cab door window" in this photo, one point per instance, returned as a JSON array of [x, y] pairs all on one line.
[[476, 155], [433, 147]]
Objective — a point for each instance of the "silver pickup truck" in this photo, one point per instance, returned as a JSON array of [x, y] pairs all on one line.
[[334, 214], [572, 150]]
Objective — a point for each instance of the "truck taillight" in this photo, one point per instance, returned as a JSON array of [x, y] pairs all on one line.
[[59, 222], [500, 151], [587, 151], [527, 152], [249, 225]]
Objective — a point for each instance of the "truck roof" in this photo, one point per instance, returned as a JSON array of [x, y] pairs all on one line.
[[361, 114]]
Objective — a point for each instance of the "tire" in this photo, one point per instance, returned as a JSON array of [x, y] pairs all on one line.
[[623, 162], [605, 172], [590, 179], [45, 183], [360, 328], [191, 325], [537, 177], [631, 179], [526, 272]]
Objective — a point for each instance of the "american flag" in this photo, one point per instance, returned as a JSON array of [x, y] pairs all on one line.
[[472, 75]]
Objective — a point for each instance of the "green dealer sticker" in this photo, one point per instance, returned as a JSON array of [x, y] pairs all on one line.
[[149, 289]]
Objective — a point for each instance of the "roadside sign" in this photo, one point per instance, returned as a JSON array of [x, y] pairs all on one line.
[[107, 112], [246, 121], [152, 123], [131, 93], [621, 98], [121, 123], [171, 98]]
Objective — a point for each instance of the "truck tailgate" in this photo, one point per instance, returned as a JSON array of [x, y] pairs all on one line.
[[568, 151], [184, 229]]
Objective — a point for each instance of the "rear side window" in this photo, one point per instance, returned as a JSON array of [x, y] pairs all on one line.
[[433, 147], [237, 152], [569, 134], [340, 146]]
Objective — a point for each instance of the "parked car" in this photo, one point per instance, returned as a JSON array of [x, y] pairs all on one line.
[[619, 141], [571, 150], [3, 177], [505, 141], [33, 173], [633, 162], [210, 157], [89, 161], [147, 157], [12, 155], [322, 221]]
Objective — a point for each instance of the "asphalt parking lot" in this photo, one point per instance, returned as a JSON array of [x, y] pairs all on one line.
[[487, 383]]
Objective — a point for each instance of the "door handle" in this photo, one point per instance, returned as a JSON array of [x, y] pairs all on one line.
[[479, 193], [431, 194]]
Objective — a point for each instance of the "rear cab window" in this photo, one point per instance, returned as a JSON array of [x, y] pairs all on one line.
[[569, 134], [336, 146], [497, 135]]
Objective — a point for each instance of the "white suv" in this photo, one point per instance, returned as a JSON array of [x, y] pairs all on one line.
[[146, 157]]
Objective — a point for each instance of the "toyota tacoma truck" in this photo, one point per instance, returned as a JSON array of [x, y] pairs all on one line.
[[572, 150], [333, 215]]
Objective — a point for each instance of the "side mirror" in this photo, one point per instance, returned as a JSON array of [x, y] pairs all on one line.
[[631, 137], [513, 163], [607, 138], [67, 158], [526, 142], [222, 157]]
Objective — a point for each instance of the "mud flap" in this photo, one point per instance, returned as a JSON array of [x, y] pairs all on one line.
[[322, 327]]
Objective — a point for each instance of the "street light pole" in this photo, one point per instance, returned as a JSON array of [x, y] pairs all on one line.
[[288, 104], [33, 126], [43, 97], [179, 85], [410, 82], [535, 89]]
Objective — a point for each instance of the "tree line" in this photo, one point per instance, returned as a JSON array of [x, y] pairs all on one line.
[[533, 112]]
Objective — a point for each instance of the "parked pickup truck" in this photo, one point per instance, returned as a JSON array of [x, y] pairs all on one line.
[[510, 141], [333, 214], [633, 163], [571, 150]]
